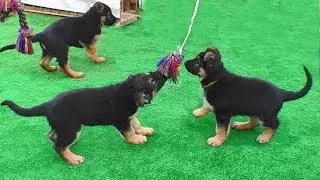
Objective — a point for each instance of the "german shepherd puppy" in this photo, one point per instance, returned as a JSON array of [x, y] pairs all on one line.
[[228, 94], [79, 32], [115, 105]]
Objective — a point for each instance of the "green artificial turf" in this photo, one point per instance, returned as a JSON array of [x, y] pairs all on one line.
[[266, 39]]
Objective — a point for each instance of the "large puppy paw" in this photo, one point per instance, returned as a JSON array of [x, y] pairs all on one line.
[[137, 139], [75, 160], [200, 112], [72, 158], [265, 136], [216, 141], [98, 59], [145, 131], [77, 75]]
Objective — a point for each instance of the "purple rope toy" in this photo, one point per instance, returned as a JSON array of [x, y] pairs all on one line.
[[169, 65], [24, 41]]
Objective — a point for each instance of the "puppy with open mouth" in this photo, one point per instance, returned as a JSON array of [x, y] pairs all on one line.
[[115, 105], [228, 94]]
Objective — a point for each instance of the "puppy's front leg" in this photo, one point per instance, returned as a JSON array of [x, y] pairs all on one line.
[[146, 131], [205, 109], [129, 134], [92, 53], [222, 130]]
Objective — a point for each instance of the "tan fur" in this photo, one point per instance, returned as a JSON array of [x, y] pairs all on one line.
[[250, 124], [44, 63], [221, 135], [92, 53], [139, 129], [66, 69], [134, 138], [265, 136], [71, 158]]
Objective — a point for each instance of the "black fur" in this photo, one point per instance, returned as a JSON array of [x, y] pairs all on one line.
[[110, 105], [231, 94], [71, 31]]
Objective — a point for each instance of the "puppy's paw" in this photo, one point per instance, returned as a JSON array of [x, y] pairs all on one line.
[[73, 158], [200, 112], [137, 139], [98, 59], [76, 160], [145, 131], [263, 138], [77, 75], [215, 141]]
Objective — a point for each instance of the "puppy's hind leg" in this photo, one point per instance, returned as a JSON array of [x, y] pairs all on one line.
[[146, 131], [52, 135], [271, 125], [205, 109], [66, 137], [64, 65], [92, 53], [45, 61], [250, 124]]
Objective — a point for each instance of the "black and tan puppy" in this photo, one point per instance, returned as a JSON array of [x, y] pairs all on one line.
[[228, 94], [79, 32], [115, 105]]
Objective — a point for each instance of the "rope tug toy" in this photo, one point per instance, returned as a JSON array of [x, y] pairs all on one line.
[[24, 42], [169, 65]]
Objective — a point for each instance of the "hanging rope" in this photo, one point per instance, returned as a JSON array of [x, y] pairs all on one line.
[[169, 65]]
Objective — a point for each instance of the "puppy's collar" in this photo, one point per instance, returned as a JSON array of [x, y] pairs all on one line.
[[208, 85]]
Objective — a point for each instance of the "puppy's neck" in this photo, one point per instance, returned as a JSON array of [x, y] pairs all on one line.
[[211, 79], [204, 86]]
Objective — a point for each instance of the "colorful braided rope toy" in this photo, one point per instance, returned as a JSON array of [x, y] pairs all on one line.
[[169, 65], [24, 41]]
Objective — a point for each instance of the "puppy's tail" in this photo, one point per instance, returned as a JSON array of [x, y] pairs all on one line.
[[8, 47], [289, 95], [34, 111]]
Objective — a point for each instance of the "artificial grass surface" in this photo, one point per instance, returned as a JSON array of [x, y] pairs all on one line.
[[270, 40]]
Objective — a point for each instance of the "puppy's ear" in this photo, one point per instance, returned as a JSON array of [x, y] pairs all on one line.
[[98, 6], [209, 56], [212, 49]]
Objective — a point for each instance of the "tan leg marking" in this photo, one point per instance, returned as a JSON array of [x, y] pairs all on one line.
[[200, 112], [221, 135], [146, 131], [266, 135], [205, 109], [44, 63], [250, 124], [134, 138], [92, 53], [66, 69], [71, 158]]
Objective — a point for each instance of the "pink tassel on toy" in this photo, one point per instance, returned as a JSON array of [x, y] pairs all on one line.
[[169, 65]]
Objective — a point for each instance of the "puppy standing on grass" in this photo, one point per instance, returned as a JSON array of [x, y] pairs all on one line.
[[229, 94], [79, 32], [115, 105]]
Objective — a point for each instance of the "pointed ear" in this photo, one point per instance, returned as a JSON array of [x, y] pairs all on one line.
[[98, 6], [208, 56]]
